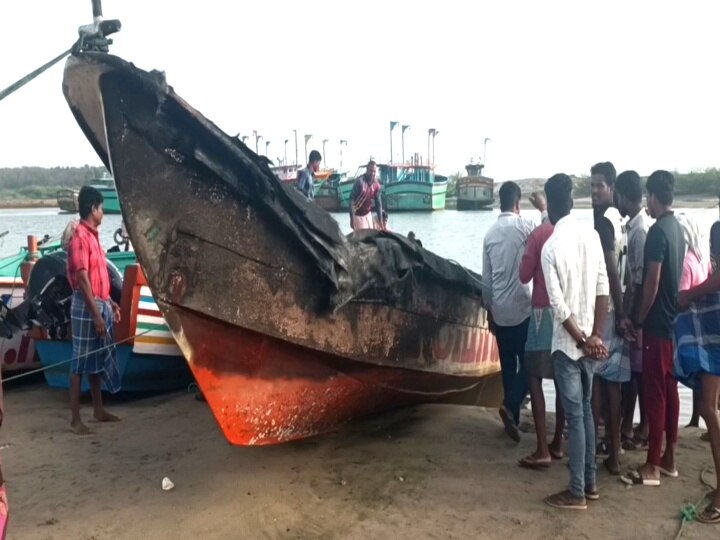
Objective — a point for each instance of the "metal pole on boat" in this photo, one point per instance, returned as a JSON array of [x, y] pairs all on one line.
[[296, 147], [434, 133], [392, 126], [487, 140], [402, 138], [267, 145], [308, 136], [285, 162], [342, 142], [257, 139], [324, 154], [97, 9]]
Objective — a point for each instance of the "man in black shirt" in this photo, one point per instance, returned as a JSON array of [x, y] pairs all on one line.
[[664, 254], [616, 370]]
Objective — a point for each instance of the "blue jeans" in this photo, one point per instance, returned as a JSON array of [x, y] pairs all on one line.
[[574, 380], [511, 349]]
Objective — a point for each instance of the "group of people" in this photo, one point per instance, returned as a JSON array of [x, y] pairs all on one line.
[[598, 309], [366, 210]]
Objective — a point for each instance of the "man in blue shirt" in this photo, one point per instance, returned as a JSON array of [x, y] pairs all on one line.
[[305, 178]]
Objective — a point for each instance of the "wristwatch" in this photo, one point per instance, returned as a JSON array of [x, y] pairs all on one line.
[[581, 344]]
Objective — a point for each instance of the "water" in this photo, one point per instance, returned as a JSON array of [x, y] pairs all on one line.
[[451, 234]]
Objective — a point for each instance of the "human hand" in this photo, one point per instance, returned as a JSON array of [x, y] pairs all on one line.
[[115, 311], [683, 300], [594, 348], [537, 199], [100, 327], [626, 329]]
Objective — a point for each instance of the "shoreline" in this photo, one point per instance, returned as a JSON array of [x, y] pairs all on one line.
[[428, 471], [684, 201]]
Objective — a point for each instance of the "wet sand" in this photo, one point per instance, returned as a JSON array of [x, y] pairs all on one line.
[[432, 471]]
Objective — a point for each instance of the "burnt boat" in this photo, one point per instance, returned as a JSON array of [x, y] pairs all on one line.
[[289, 327]]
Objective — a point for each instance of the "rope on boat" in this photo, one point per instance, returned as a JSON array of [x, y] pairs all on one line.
[[689, 512], [157, 326], [30, 76]]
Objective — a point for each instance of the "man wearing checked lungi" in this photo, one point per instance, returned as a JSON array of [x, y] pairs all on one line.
[[92, 313]]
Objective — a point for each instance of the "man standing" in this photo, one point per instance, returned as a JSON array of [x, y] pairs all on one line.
[[664, 254], [538, 355], [92, 313], [306, 176], [577, 288], [609, 226], [364, 198], [508, 300], [715, 243], [628, 189]]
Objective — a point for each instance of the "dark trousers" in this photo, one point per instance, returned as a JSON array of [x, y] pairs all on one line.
[[511, 347], [660, 394]]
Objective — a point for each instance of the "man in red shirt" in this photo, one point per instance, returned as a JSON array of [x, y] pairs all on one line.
[[92, 313]]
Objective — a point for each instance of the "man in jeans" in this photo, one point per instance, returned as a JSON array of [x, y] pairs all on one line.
[[577, 286], [508, 300], [664, 255]]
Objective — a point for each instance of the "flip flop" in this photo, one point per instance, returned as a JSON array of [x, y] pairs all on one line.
[[556, 455], [710, 515], [668, 473], [635, 478], [510, 426], [529, 462]]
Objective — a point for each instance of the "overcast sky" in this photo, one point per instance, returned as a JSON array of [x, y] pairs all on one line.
[[556, 86]]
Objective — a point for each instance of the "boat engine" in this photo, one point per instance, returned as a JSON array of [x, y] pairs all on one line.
[[48, 298]]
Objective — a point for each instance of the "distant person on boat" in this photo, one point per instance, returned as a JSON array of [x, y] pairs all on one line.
[[306, 176], [93, 313], [664, 254], [538, 355], [607, 394], [629, 195], [364, 198], [508, 300], [577, 287]]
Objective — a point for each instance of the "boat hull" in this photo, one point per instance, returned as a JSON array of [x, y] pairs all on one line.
[[414, 196], [266, 391], [475, 193], [111, 203]]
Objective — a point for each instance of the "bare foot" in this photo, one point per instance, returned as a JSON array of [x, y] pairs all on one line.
[[78, 428], [556, 449], [105, 416]]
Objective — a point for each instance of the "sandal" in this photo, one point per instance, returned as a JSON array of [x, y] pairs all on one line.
[[530, 462], [635, 478], [566, 501], [555, 455], [627, 443], [710, 515], [612, 468]]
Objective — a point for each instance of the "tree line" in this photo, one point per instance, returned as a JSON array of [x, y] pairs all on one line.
[[42, 182]]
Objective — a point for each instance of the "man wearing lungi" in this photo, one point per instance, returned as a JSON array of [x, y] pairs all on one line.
[[364, 198], [92, 313]]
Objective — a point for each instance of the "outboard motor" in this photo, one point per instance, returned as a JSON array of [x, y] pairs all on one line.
[[48, 298]]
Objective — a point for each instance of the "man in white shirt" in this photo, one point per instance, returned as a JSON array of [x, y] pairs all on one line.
[[577, 286], [508, 300]]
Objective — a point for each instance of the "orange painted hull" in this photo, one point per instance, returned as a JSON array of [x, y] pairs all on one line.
[[267, 391]]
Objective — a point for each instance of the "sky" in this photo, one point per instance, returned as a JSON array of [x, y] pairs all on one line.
[[555, 85]]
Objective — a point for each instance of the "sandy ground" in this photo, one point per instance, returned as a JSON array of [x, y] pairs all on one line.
[[433, 471]]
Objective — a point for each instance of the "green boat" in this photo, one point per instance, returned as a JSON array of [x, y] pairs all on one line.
[[406, 188], [326, 191], [106, 186]]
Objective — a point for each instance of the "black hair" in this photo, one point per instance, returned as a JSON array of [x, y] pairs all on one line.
[[607, 170], [662, 185], [628, 184], [88, 199], [558, 190], [510, 194], [314, 157], [371, 162]]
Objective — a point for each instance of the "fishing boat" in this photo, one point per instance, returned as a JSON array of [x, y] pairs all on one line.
[[148, 362], [289, 327], [67, 200], [474, 191], [326, 192], [106, 186], [406, 187]]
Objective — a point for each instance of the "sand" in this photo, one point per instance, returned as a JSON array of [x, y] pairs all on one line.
[[432, 471]]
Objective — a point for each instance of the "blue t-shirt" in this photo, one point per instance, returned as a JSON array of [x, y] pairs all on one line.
[[305, 184]]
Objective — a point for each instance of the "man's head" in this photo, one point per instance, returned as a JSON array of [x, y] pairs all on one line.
[[314, 161], [602, 183], [510, 195], [90, 201], [371, 171], [558, 191], [628, 193], [660, 192]]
